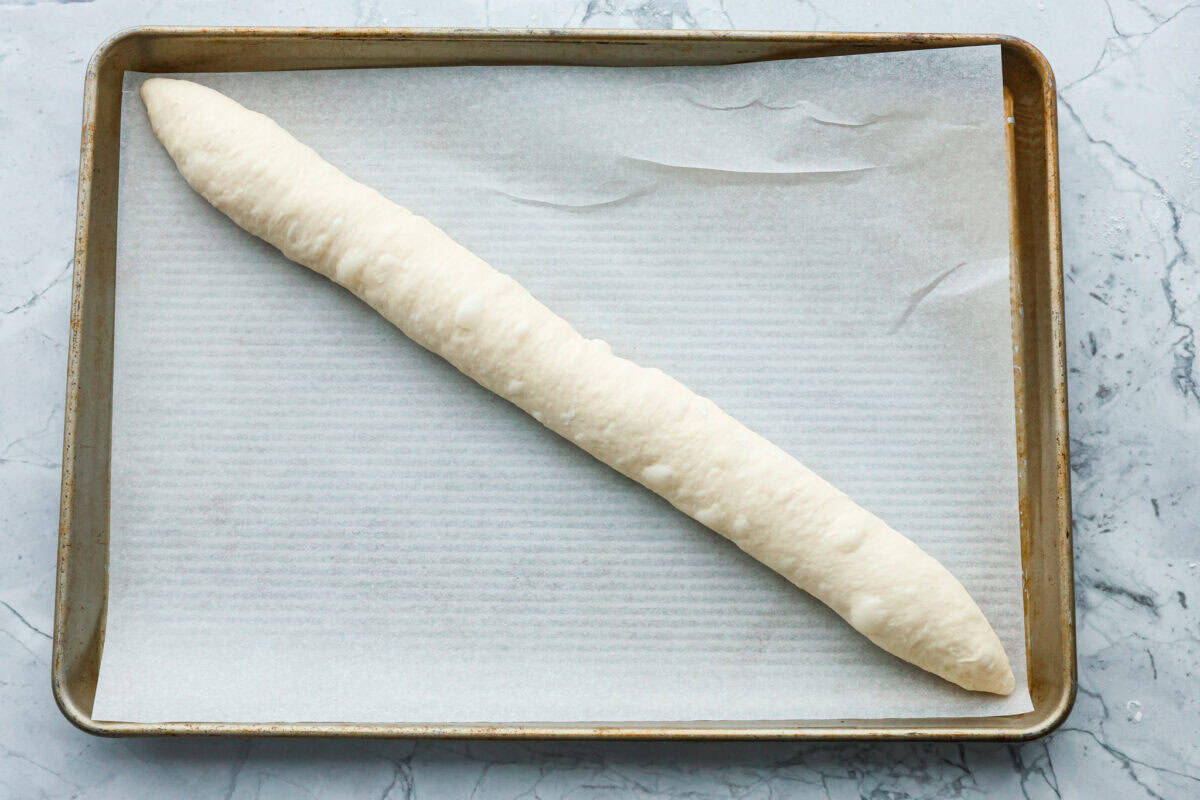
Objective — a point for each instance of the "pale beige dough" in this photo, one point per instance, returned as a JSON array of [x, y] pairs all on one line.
[[639, 421]]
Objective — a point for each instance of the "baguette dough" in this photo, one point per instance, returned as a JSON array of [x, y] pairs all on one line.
[[639, 421]]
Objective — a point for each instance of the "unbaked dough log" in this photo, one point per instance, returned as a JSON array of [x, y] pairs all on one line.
[[637, 420]]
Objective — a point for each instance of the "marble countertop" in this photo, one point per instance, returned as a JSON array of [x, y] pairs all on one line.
[[1129, 79]]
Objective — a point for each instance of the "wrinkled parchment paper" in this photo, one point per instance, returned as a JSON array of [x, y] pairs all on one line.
[[315, 520]]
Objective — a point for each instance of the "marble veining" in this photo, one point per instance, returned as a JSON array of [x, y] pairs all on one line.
[[1130, 159]]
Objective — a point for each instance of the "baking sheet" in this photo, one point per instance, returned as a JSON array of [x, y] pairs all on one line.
[[315, 520]]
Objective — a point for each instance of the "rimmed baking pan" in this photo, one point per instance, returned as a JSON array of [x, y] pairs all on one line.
[[1037, 329]]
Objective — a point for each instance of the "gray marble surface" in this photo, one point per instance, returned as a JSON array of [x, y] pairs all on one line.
[[1129, 77]]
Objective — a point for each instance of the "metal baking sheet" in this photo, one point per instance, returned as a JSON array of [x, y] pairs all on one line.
[[473, 48]]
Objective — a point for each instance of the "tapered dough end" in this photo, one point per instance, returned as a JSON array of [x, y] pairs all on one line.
[[975, 659], [988, 671], [186, 115], [180, 113], [957, 645], [905, 601], [200, 126], [1003, 684], [956, 642], [160, 93], [152, 89]]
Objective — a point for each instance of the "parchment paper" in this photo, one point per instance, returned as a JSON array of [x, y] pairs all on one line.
[[315, 520]]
